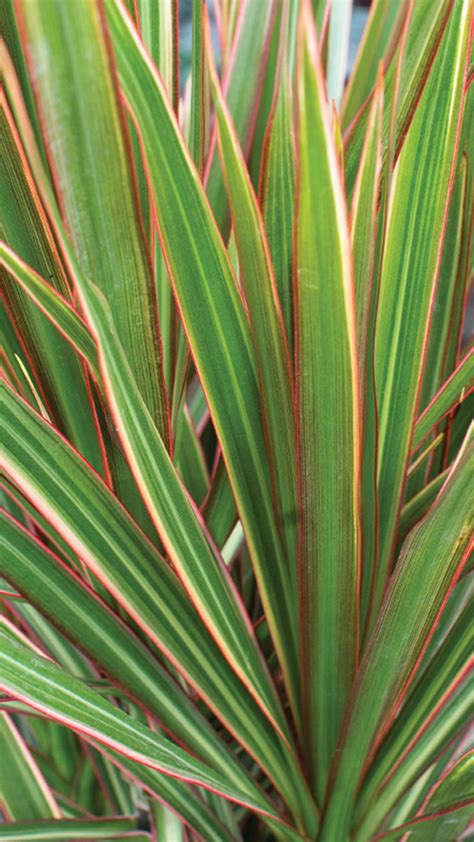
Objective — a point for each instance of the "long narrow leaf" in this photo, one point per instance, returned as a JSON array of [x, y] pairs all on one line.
[[47, 688], [446, 669], [364, 231], [104, 637], [380, 32], [451, 394], [56, 308], [87, 147], [108, 541], [277, 186], [216, 327], [410, 264], [24, 793], [202, 573], [271, 349], [26, 230], [328, 424], [431, 560], [70, 830]]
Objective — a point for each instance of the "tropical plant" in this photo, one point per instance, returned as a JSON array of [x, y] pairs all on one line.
[[236, 422]]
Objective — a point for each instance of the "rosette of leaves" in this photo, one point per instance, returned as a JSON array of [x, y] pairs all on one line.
[[235, 414]]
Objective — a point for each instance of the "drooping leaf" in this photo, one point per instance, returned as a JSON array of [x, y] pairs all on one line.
[[49, 689], [118, 553], [104, 637]]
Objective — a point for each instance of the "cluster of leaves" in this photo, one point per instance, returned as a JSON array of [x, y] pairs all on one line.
[[236, 422]]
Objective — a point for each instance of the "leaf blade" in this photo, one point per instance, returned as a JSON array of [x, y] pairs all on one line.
[[87, 148], [417, 590], [328, 424]]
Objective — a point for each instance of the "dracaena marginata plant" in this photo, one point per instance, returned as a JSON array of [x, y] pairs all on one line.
[[235, 422]]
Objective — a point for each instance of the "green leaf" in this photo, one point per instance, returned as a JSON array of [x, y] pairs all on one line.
[[58, 371], [417, 507], [426, 26], [446, 671], [189, 457], [418, 202], [448, 807], [117, 552], [201, 571], [219, 506], [271, 349], [14, 56], [49, 689], [158, 22], [378, 40], [191, 809], [444, 332], [328, 419], [431, 560], [277, 186], [158, 29], [451, 394], [100, 634], [198, 122], [71, 830], [216, 327], [447, 725], [87, 146], [242, 83], [25, 793], [54, 306], [364, 231]]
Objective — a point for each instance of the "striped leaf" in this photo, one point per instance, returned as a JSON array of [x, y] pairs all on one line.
[[414, 600], [70, 830], [328, 423], [26, 230], [49, 689], [25, 793], [271, 349], [100, 634], [215, 320], [420, 191], [451, 394], [187, 546], [277, 185], [87, 146], [57, 309], [108, 541], [378, 40], [364, 233]]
